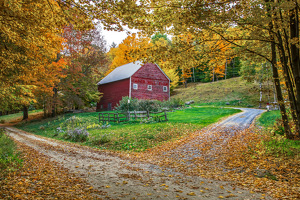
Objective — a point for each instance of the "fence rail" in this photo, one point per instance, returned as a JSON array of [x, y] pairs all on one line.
[[122, 117]]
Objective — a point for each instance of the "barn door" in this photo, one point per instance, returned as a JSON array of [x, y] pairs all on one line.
[[109, 106]]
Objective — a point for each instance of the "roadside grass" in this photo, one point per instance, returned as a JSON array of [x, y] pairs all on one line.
[[276, 144], [9, 157], [268, 119], [134, 135], [17, 116], [235, 91]]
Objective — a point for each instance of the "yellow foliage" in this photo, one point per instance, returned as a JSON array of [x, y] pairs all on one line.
[[131, 49]]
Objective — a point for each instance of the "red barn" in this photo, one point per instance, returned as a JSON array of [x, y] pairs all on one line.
[[135, 80]]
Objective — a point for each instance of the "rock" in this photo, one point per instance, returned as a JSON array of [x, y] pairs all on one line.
[[227, 103], [263, 173], [189, 102]]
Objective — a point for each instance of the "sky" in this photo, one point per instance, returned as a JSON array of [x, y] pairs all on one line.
[[115, 36]]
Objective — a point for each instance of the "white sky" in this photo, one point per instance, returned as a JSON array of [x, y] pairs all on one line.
[[113, 36]]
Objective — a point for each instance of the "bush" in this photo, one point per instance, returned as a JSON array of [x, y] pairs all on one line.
[[77, 135], [147, 105], [105, 138], [127, 104]]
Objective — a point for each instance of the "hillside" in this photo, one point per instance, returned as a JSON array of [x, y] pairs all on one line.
[[235, 91]]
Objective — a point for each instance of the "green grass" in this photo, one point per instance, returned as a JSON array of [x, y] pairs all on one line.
[[13, 117], [9, 157], [280, 146], [277, 144], [268, 119], [235, 91], [133, 135]]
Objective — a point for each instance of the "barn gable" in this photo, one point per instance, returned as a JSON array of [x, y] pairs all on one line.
[[135, 80], [150, 82], [122, 72]]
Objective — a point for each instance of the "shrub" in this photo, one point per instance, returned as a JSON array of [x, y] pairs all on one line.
[[77, 135], [105, 138], [174, 103], [124, 106], [150, 105]]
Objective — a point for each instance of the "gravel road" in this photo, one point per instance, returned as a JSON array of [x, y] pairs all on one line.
[[230, 126], [123, 178]]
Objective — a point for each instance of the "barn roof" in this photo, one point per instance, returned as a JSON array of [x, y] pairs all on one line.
[[122, 72]]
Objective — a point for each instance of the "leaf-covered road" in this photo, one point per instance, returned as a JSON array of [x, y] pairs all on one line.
[[124, 178]]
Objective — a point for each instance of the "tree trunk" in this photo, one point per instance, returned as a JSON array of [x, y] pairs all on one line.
[[288, 82], [25, 112], [53, 114], [280, 99], [294, 34], [225, 68]]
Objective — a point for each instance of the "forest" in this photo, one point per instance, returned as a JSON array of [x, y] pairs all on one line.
[[52, 52]]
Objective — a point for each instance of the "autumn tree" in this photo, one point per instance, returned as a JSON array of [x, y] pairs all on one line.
[[30, 40], [266, 29], [131, 49], [86, 59]]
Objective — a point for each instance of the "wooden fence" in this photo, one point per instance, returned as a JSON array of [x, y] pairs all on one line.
[[121, 117], [112, 117]]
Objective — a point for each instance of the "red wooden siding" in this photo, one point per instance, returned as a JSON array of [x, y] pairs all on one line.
[[112, 93], [150, 74]]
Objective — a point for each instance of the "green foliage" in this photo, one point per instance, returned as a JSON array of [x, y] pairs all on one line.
[[127, 104], [133, 135], [147, 105], [280, 146], [157, 37], [9, 157]]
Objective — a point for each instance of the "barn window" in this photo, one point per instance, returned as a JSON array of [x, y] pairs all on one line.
[[149, 87], [165, 88], [135, 86]]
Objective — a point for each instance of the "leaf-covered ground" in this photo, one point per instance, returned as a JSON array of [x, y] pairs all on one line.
[[217, 162], [232, 155], [121, 178], [41, 178]]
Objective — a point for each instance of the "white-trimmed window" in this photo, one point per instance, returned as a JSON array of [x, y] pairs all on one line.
[[165, 88], [135, 86], [149, 87]]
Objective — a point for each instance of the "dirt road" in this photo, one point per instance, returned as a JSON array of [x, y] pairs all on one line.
[[126, 179]]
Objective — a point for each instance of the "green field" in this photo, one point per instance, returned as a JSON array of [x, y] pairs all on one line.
[[235, 91], [16, 116], [133, 135]]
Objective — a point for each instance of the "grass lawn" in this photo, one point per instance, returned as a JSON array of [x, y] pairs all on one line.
[[268, 119], [277, 144], [235, 91], [17, 116], [133, 135]]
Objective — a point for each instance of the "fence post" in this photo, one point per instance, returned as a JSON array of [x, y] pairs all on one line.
[[135, 116], [128, 115], [148, 115], [118, 119], [166, 116]]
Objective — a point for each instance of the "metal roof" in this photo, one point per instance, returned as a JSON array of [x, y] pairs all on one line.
[[122, 72]]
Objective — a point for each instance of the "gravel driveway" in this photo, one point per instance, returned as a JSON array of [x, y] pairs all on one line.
[[123, 178]]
